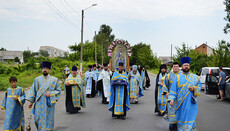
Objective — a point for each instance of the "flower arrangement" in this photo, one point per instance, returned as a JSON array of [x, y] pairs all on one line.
[[114, 43]]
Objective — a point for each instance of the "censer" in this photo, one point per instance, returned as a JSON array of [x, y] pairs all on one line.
[[28, 128]]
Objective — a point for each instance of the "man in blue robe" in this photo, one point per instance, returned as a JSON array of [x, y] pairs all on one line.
[[44, 94], [90, 81], [74, 92], [184, 90], [136, 89], [119, 98], [166, 89], [160, 99], [13, 104]]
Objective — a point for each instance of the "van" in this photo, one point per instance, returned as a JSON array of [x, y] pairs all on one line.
[[212, 71]]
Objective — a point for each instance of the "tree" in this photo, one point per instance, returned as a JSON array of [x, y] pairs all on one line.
[[107, 30], [44, 53], [2, 49], [104, 38], [221, 56], [198, 60], [227, 18], [143, 55], [26, 55], [16, 59], [181, 52]]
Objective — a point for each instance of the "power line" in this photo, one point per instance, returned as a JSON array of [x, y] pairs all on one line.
[[69, 10], [88, 28], [58, 12], [72, 8]]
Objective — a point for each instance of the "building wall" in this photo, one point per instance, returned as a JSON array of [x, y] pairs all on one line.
[[53, 52], [209, 51], [205, 49], [10, 55], [165, 59], [202, 49]]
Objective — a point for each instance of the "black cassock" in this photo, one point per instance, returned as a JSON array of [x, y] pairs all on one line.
[[147, 80], [69, 101], [101, 89]]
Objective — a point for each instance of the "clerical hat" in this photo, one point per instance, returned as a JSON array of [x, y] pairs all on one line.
[[121, 64], [134, 67], [46, 64], [163, 66], [74, 68], [184, 60], [90, 66], [105, 64]]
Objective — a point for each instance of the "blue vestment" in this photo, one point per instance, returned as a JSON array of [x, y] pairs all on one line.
[[14, 115], [186, 106], [78, 92], [161, 99], [119, 99], [166, 89], [136, 89], [44, 107]]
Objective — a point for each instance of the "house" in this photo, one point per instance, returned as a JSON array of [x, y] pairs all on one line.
[[11, 55], [165, 59], [53, 52], [204, 49]]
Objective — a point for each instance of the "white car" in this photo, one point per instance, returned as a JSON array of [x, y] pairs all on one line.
[[211, 70]]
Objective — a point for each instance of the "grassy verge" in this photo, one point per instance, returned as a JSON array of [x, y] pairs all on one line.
[[154, 71], [26, 78]]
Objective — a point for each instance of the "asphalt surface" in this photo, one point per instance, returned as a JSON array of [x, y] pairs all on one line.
[[212, 115]]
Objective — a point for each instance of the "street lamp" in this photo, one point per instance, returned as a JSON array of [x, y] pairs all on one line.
[[82, 17]]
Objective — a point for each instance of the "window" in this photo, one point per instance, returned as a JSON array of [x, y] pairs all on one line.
[[203, 46], [205, 72]]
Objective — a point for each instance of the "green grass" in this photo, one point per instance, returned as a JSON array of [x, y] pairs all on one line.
[[26, 78], [154, 71]]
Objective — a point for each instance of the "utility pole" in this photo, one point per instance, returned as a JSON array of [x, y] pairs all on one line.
[[171, 52], [102, 54], [82, 17], [95, 48]]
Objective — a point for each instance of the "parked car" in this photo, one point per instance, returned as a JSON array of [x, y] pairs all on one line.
[[211, 70], [211, 85]]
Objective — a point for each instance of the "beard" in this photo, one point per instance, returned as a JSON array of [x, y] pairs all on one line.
[[45, 73], [105, 69], [186, 70]]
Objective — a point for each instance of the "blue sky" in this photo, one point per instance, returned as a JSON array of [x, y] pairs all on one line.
[[160, 23]]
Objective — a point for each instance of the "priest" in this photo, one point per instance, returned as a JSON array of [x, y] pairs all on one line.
[[119, 102], [74, 92]]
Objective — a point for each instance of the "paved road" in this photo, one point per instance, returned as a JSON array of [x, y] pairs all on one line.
[[212, 115]]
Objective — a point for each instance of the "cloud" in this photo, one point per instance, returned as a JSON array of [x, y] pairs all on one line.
[[112, 10]]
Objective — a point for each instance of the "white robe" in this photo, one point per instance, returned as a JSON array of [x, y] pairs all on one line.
[[105, 76]]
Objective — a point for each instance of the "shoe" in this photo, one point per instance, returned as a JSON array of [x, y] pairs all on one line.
[[122, 118]]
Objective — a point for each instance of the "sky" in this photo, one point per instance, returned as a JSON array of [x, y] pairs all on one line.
[[29, 24]]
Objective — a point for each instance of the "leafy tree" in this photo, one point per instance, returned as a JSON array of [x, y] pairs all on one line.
[[143, 55], [26, 55], [181, 52], [227, 18], [44, 53], [198, 60], [104, 38], [2, 49], [16, 59], [221, 56]]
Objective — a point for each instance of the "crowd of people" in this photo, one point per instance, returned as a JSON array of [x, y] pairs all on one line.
[[175, 94]]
